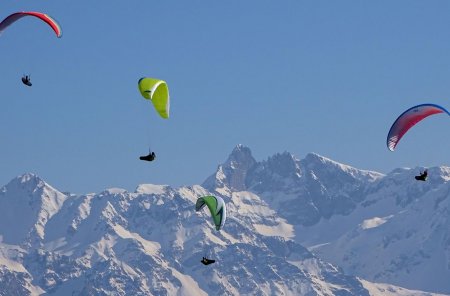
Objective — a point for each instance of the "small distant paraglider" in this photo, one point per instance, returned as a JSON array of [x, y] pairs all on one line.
[[423, 176], [42, 16], [207, 261], [408, 119], [26, 79], [150, 157]]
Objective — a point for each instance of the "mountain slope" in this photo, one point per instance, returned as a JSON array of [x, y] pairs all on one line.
[[410, 247], [385, 228], [151, 241], [388, 229], [320, 187]]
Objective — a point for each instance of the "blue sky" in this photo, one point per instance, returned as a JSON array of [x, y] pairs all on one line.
[[301, 76]]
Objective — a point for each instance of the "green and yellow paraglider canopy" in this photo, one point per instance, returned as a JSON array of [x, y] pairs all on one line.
[[156, 90]]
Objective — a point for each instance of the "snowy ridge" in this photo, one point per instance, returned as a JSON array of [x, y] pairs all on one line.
[[23, 201], [320, 187], [150, 241], [404, 248], [231, 176], [389, 290], [389, 228]]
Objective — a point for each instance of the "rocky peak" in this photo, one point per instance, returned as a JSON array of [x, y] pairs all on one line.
[[35, 200], [283, 164], [231, 175]]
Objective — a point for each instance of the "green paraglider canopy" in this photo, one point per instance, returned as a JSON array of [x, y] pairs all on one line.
[[217, 208], [157, 91]]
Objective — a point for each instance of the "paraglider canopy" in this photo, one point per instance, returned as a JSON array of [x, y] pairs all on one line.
[[408, 119], [157, 91], [18, 15], [216, 207]]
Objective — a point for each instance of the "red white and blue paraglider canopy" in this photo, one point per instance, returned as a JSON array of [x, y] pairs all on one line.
[[42, 16], [408, 119]]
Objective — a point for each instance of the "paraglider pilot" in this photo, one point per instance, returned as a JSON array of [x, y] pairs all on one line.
[[26, 80], [423, 176], [149, 157], [206, 261]]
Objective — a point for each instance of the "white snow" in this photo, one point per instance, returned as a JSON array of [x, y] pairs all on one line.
[[188, 285], [151, 248], [151, 189], [284, 230], [374, 222], [377, 289], [115, 190]]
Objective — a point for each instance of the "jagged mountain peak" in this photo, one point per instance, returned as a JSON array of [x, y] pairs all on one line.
[[31, 187], [30, 181], [150, 241], [233, 175], [240, 157], [321, 186], [27, 177], [242, 172], [241, 148], [27, 202], [230, 176], [283, 164]]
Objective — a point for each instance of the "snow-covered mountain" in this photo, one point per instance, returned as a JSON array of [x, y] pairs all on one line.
[[384, 228], [304, 191], [151, 241], [404, 236]]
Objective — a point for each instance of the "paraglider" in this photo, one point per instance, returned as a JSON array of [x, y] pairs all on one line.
[[216, 207], [207, 261], [157, 92], [408, 119], [45, 18], [423, 176], [26, 80], [18, 15], [218, 212], [149, 157]]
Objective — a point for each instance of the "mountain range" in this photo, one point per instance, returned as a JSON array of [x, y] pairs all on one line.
[[294, 227]]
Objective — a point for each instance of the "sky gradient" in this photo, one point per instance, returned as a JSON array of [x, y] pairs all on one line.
[[301, 76]]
